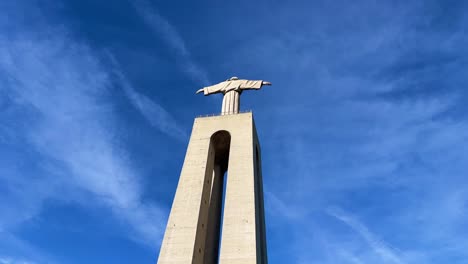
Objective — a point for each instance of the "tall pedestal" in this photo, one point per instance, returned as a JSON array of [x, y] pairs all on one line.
[[222, 150]]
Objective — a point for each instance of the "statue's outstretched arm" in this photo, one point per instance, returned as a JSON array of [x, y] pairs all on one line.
[[217, 88], [253, 84]]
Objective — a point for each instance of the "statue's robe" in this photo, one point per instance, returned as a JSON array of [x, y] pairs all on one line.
[[231, 90]]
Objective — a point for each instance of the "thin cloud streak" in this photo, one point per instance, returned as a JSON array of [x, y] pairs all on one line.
[[154, 113], [378, 245], [62, 88], [15, 250], [279, 208], [163, 28], [10, 260], [349, 257]]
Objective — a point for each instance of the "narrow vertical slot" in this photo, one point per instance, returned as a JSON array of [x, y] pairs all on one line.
[[222, 215], [220, 141]]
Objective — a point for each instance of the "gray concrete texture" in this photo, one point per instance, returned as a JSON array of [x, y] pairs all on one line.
[[221, 148]]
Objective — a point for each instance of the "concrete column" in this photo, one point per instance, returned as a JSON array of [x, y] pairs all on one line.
[[192, 234], [214, 217]]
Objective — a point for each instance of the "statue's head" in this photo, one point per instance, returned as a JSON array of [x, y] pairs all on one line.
[[232, 78]]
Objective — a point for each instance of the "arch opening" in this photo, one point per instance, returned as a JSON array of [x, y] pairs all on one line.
[[220, 144]]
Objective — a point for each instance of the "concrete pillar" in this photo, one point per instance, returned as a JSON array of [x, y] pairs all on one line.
[[218, 144]]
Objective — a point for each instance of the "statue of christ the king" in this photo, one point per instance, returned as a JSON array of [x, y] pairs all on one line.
[[232, 88]]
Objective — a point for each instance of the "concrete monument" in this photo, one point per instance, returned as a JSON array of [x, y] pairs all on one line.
[[217, 216], [232, 88]]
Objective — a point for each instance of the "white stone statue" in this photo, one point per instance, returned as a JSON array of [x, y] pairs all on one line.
[[232, 88]]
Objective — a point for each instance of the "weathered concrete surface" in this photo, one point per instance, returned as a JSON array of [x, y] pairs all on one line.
[[192, 231]]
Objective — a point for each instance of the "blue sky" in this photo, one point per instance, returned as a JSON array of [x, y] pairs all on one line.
[[364, 132]]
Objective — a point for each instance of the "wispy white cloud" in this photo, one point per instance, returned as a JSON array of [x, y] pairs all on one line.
[[153, 112], [158, 117], [169, 34], [15, 250], [378, 245], [62, 89], [348, 257], [278, 208], [10, 260], [398, 151]]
